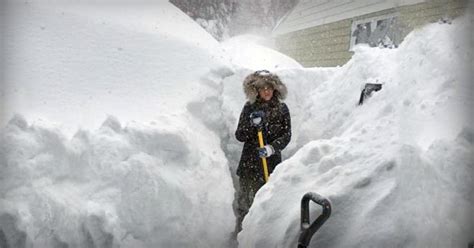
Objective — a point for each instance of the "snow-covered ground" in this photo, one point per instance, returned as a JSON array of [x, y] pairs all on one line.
[[117, 127]]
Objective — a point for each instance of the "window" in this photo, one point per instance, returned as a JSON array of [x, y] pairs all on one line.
[[382, 31]]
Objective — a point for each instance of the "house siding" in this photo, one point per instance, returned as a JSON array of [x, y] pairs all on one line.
[[328, 45]]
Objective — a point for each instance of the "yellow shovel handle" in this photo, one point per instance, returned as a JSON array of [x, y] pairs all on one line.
[[264, 160]]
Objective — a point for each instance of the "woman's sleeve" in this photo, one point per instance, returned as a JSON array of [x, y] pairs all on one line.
[[281, 142], [244, 130]]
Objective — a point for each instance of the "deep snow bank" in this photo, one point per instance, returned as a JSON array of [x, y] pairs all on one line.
[[398, 169], [249, 51], [67, 65], [143, 185], [76, 62]]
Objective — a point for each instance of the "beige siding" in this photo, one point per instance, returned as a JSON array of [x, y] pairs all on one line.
[[310, 13], [328, 45], [318, 46]]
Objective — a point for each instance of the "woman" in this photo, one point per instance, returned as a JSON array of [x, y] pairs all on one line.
[[263, 110]]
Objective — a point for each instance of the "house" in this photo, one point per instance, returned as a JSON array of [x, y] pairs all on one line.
[[322, 33]]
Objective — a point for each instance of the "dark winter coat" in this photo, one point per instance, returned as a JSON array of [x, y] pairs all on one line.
[[276, 126], [276, 132]]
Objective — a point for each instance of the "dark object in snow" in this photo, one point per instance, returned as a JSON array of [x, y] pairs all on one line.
[[367, 91], [445, 20], [471, 244], [307, 230]]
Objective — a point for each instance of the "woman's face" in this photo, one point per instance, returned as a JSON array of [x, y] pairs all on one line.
[[266, 93]]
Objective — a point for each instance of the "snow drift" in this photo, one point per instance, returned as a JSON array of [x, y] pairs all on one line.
[[249, 51], [136, 186], [399, 169], [69, 181], [78, 62]]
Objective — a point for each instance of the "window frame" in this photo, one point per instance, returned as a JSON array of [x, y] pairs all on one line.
[[373, 25]]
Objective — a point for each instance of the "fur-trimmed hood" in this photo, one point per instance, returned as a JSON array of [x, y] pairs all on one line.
[[258, 80]]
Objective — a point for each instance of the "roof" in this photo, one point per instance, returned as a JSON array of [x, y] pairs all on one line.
[[311, 13]]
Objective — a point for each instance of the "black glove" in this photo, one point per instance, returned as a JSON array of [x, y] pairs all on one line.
[[256, 118]]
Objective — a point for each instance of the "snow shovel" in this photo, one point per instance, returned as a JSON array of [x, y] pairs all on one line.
[[307, 230], [367, 91]]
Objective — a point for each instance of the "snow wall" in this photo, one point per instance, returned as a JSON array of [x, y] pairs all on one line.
[[399, 169], [72, 175]]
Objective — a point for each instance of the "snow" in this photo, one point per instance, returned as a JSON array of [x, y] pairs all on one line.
[[137, 186], [79, 62], [118, 121], [250, 51], [397, 169], [72, 173]]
